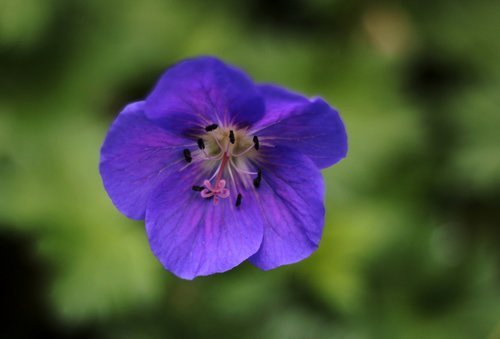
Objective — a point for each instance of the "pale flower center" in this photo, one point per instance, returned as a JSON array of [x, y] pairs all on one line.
[[232, 149]]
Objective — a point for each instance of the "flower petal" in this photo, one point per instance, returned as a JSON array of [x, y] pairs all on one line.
[[191, 236], [135, 157], [310, 127], [202, 91], [291, 197]]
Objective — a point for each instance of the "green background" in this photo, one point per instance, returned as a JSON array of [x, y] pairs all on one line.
[[411, 242]]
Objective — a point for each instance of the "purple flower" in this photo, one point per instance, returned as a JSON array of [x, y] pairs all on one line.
[[222, 169]]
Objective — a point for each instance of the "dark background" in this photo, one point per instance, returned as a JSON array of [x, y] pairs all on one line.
[[411, 242]]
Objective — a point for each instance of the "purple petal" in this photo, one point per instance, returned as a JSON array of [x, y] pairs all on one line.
[[202, 91], [310, 127], [291, 197], [190, 236], [135, 157]]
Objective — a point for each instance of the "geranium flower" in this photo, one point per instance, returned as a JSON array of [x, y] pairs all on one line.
[[221, 169]]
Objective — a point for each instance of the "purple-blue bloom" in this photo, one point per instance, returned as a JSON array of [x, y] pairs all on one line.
[[222, 169]]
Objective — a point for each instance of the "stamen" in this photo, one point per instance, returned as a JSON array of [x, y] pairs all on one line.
[[215, 157], [244, 152], [240, 170], [238, 200], [187, 155], [231, 174], [198, 188], [256, 142], [215, 174], [211, 127], [231, 136], [201, 144], [256, 181]]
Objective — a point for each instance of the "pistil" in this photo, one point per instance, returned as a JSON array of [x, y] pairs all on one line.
[[225, 158]]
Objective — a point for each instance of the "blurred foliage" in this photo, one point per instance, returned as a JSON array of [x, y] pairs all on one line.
[[410, 247]]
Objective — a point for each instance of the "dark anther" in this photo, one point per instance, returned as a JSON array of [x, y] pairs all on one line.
[[187, 155], [256, 142], [211, 127], [231, 136], [198, 188], [238, 200], [256, 181], [201, 143]]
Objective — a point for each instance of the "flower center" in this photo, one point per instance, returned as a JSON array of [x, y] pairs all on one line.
[[226, 149]]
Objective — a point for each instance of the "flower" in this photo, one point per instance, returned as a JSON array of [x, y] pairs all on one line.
[[222, 169]]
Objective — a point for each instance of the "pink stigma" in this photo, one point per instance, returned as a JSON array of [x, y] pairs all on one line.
[[217, 191]]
